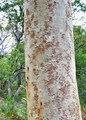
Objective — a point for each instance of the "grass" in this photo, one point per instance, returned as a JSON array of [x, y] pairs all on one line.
[[12, 110]]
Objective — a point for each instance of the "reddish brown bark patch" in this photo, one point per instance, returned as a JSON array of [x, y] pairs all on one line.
[[32, 34], [47, 25], [28, 68], [51, 67], [50, 19], [42, 65], [35, 71], [35, 4], [49, 81], [33, 44], [40, 49], [27, 78], [33, 56], [35, 87], [27, 12], [26, 83], [63, 36], [49, 44], [50, 91], [39, 111], [36, 97], [55, 2], [50, 5], [65, 87], [36, 22], [47, 103], [27, 86], [32, 17]]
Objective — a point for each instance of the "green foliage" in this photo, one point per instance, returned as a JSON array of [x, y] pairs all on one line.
[[79, 6], [14, 16], [11, 66], [21, 109], [80, 47], [8, 4], [17, 57], [12, 110], [8, 106]]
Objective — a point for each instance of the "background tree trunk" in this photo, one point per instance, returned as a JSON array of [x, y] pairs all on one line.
[[9, 87], [50, 64]]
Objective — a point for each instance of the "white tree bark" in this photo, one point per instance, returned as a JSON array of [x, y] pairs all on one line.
[[50, 63]]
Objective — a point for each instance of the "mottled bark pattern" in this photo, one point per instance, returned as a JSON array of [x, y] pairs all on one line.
[[50, 64]]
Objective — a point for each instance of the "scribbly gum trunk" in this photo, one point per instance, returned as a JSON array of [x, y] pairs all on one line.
[[50, 64]]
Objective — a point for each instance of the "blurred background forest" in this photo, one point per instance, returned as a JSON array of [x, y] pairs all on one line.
[[12, 63]]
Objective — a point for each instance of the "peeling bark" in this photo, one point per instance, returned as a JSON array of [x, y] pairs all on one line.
[[49, 60]]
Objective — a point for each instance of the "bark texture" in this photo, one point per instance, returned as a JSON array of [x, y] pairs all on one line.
[[50, 64]]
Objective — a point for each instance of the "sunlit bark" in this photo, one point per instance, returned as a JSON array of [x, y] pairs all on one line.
[[50, 64]]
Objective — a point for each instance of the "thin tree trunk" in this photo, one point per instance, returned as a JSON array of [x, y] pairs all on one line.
[[19, 78], [18, 91], [9, 87], [50, 63]]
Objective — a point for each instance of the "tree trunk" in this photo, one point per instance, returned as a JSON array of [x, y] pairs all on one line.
[[18, 91], [9, 87], [50, 63]]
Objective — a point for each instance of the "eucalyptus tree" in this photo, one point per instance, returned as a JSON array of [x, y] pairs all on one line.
[[49, 60]]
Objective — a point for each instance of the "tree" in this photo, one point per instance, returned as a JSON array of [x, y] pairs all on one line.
[[50, 63], [79, 5], [15, 17]]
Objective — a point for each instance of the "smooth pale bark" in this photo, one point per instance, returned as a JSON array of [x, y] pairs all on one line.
[[50, 64]]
